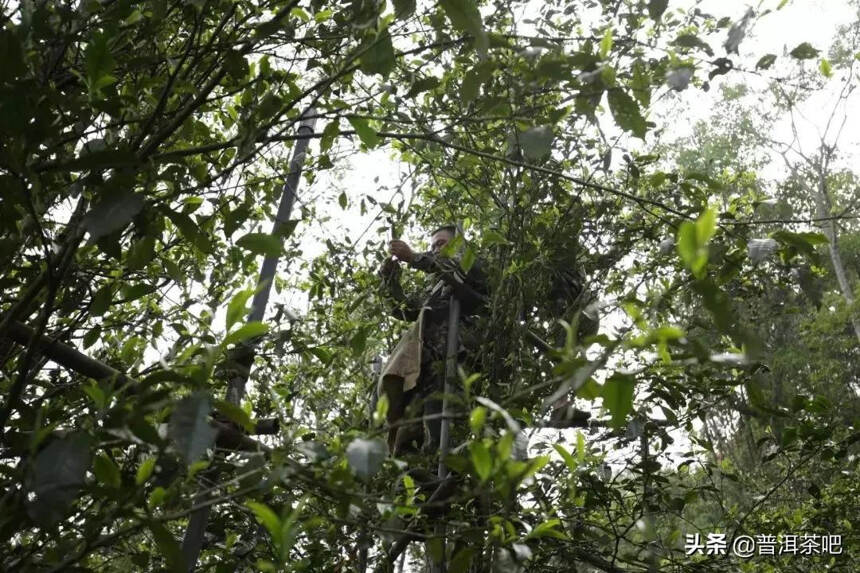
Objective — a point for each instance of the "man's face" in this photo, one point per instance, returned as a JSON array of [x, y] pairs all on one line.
[[439, 240]]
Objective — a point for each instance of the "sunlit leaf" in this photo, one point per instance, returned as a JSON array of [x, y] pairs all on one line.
[[618, 397]]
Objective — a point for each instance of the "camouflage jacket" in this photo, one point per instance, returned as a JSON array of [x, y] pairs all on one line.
[[441, 275]]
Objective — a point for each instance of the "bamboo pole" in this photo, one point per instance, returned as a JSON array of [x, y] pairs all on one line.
[[192, 543]]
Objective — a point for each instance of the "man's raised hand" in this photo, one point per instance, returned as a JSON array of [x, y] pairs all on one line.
[[400, 250]]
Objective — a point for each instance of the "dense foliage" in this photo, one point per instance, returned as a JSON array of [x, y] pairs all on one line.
[[143, 151]]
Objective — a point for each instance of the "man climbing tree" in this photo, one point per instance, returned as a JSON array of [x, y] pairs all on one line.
[[414, 374]]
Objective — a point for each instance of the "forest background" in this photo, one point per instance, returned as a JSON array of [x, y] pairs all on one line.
[[700, 178]]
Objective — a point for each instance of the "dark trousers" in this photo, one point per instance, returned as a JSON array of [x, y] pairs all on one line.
[[425, 402]]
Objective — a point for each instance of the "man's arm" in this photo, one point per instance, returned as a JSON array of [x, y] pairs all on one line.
[[400, 306], [470, 288]]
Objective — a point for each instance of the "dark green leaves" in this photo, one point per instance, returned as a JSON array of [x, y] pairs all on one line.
[[190, 230], [58, 473], [536, 142], [11, 55], [379, 55], [656, 8], [99, 64], [473, 80], [804, 51], [693, 41], [365, 457], [404, 8], [641, 83], [799, 243], [189, 427], [765, 62], [626, 113], [261, 244], [112, 213], [618, 397], [464, 15], [169, 547], [106, 471], [422, 85]]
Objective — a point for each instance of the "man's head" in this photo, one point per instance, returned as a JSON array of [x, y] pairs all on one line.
[[441, 237]]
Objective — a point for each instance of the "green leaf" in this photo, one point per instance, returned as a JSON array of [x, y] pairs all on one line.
[[261, 244], [626, 113], [301, 14], [804, 51], [106, 471], [169, 547], [112, 213], [547, 529], [322, 16], [481, 460], [825, 69], [461, 560], [366, 134], [688, 247], [641, 83], [618, 397], [266, 517], [141, 253], [468, 259], [606, 44], [464, 15], [59, 471], [492, 237], [421, 85], [94, 333], [693, 241], [189, 427], [801, 242], [365, 457], [537, 142], [189, 229], [656, 8], [379, 57], [342, 200], [693, 41], [236, 308], [477, 419], [473, 80], [580, 447], [569, 461], [96, 394], [235, 414], [765, 62], [145, 471], [99, 63], [249, 330], [706, 224]]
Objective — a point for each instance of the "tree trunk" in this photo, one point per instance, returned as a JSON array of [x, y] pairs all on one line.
[[822, 202]]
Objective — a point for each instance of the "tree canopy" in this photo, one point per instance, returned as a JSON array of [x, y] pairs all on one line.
[[147, 148]]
